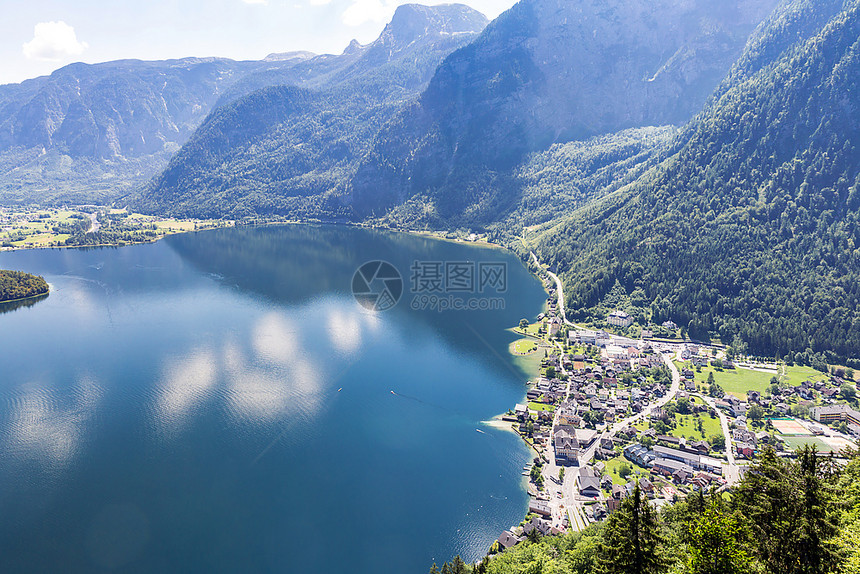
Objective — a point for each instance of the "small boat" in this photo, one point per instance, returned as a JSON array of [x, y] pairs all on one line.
[[340, 389]]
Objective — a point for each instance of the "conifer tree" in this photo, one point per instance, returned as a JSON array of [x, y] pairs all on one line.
[[632, 542]]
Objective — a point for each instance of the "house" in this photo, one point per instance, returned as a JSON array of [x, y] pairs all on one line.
[[672, 468], [743, 435], [539, 524], [668, 439], [539, 507], [745, 449], [669, 325], [588, 485], [639, 455], [508, 540]]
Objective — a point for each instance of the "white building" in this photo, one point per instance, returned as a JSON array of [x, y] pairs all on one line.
[[619, 319]]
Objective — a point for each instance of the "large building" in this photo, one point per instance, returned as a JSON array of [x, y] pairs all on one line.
[[837, 413], [619, 319]]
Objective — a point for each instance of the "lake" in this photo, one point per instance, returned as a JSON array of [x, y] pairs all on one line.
[[220, 402]]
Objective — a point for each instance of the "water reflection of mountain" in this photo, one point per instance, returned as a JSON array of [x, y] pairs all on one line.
[[267, 260]]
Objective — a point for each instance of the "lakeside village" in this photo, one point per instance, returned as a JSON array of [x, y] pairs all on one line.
[[88, 225], [676, 416]]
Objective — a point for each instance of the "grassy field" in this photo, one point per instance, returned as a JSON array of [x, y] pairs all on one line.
[[26, 229], [686, 427], [797, 374], [524, 346], [540, 407], [614, 464], [795, 442], [734, 381]]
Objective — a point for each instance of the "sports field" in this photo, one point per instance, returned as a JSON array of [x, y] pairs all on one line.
[[789, 427]]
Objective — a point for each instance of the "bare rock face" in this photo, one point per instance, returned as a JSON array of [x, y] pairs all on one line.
[[552, 71]]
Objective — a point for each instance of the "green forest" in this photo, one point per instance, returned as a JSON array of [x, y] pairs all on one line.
[[752, 229], [18, 285], [787, 516]]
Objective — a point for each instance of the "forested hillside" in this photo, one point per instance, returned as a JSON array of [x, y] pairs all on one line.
[[93, 133], [751, 230], [292, 150], [545, 72], [18, 285], [785, 517]]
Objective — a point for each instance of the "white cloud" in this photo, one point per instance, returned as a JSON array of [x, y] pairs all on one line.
[[362, 11], [53, 42], [320, 2], [255, 1]]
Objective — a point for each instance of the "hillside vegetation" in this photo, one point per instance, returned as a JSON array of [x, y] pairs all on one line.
[[785, 517], [17, 285], [752, 229]]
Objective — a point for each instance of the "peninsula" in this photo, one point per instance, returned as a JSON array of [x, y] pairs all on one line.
[[16, 285]]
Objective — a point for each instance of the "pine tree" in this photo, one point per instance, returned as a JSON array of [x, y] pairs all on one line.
[[632, 543], [790, 509], [718, 542]]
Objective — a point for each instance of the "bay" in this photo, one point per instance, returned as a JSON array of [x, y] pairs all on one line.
[[219, 402]]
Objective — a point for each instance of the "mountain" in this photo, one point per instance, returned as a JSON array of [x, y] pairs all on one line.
[[106, 125], [550, 71], [94, 132], [292, 149], [750, 230]]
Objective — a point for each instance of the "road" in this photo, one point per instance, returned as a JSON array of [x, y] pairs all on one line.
[[730, 472], [559, 291], [94, 223], [571, 499]]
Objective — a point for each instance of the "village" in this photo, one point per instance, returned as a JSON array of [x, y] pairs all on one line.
[[608, 411], [33, 228]]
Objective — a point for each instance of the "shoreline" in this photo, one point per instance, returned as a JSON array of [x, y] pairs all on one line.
[[496, 422], [45, 294]]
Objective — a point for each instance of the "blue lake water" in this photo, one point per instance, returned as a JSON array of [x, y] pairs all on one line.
[[219, 402]]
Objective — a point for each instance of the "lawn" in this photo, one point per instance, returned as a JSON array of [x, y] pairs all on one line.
[[524, 346], [686, 427], [797, 374], [737, 381], [796, 442], [614, 464], [541, 407]]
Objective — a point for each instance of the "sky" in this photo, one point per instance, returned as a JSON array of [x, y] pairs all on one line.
[[39, 36]]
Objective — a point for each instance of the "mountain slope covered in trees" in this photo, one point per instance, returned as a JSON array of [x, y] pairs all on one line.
[[752, 229], [549, 71], [95, 132], [292, 150]]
